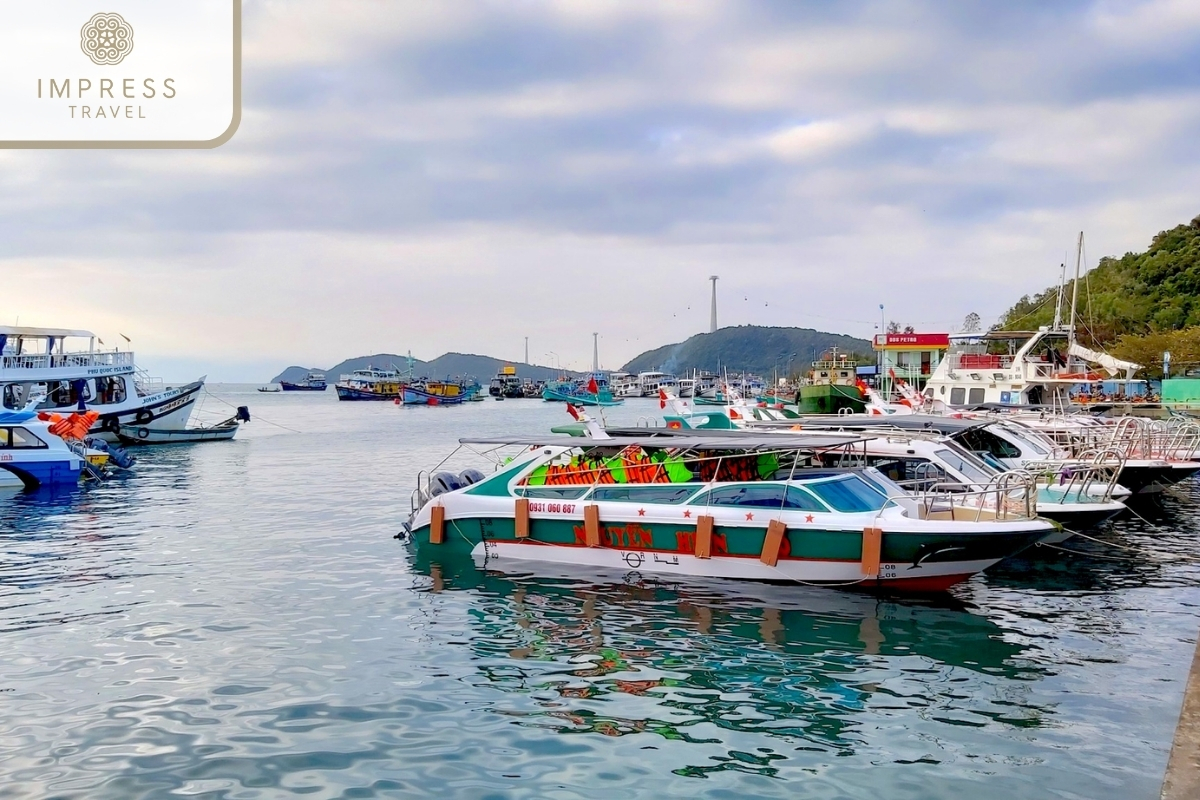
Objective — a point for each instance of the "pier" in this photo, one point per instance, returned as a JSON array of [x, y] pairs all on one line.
[[1182, 781]]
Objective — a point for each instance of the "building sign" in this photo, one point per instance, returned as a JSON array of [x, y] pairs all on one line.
[[126, 74], [912, 341]]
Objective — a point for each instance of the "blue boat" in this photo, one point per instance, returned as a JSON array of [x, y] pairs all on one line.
[[595, 393], [434, 393], [314, 382], [370, 384], [32, 457]]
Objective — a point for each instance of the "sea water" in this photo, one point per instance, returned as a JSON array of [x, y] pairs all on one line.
[[236, 620]]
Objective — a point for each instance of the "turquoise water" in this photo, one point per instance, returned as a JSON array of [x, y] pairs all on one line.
[[234, 620]]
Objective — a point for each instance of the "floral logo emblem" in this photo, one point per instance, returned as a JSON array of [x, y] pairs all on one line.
[[106, 39]]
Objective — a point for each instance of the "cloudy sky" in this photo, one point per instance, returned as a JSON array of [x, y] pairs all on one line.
[[452, 175]]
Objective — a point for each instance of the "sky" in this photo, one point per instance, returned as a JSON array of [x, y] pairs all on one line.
[[456, 176]]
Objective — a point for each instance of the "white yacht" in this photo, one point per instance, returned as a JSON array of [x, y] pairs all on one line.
[[650, 382], [57, 363]]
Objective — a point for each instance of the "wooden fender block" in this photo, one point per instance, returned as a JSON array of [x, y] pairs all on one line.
[[773, 541], [521, 520], [437, 524], [591, 525], [704, 534], [872, 544]]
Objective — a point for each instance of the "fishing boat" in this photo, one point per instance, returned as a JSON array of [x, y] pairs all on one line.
[[219, 432], [506, 383], [313, 382], [370, 384], [832, 386], [66, 369], [708, 505], [426, 392], [595, 393], [649, 383], [270, 389]]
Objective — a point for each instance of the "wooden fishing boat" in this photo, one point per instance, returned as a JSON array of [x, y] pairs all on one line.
[[709, 505], [221, 431]]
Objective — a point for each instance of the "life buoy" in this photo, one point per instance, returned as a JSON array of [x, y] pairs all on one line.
[[143, 433], [144, 415]]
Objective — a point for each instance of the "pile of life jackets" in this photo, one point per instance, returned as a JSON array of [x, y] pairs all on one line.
[[74, 427], [738, 468], [632, 465]]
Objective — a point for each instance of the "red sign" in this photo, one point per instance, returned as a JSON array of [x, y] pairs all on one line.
[[914, 341]]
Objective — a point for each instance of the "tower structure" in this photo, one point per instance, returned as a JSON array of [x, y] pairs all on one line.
[[595, 352], [712, 325]]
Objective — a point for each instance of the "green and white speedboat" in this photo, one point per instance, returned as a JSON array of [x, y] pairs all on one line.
[[708, 505]]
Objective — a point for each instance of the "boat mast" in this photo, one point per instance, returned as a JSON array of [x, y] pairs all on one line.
[[1062, 287], [1075, 288]]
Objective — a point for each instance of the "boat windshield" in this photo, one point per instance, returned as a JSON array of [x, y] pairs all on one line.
[[849, 494], [644, 494], [974, 471]]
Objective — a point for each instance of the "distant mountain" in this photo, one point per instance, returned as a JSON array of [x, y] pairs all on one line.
[[449, 365], [747, 347]]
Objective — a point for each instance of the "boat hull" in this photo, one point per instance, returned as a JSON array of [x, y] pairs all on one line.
[[416, 397], [348, 393], [299, 387], [141, 435], [830, 399], [582, 398], [912, 561], [168, 410]]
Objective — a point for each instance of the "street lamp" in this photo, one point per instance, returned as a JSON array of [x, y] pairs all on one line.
[[879, 357], [556, 360]]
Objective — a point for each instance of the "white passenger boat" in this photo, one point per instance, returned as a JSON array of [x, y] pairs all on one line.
[[54, 362], [712, 506]]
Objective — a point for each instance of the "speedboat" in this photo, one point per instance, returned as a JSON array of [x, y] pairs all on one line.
[[32, 457], [46, 361], [757, 507]]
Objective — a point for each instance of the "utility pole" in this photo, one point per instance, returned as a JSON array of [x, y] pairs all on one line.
[[595, 352], [712, 325]]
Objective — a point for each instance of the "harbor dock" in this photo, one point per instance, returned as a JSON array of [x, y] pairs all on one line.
[[1182, 781]]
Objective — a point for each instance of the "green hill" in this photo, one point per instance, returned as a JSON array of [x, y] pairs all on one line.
[[1154, 292], [750, 348]]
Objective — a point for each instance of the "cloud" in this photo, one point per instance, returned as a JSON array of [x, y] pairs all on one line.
[[445, 176]]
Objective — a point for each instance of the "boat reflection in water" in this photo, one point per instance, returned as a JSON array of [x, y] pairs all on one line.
[[811, 670]]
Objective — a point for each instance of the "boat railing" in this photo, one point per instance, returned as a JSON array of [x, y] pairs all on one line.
[[146, 384], [66, 360], [978, 362], [1082, 481], [1008, 496]]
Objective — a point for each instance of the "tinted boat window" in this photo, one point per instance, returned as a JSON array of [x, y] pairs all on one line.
[[644, 494], [957, 396], [849, 494], [760, 495], [25, 439]]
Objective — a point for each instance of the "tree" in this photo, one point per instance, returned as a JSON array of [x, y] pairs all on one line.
[[893, 327], [909, 329], [971, 323]]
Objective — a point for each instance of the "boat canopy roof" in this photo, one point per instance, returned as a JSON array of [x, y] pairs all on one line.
[[690, 439], [904, 422], [42, 333]]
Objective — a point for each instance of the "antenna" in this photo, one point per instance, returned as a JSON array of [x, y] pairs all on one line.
[[712, 325]]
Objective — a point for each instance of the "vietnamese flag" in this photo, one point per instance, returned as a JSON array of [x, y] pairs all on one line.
[[574, 412], [662, 398], [593, 387]]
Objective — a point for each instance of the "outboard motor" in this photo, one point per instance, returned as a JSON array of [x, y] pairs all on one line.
[[116, 454], [243, 414], [443, 482], [469, 477]]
